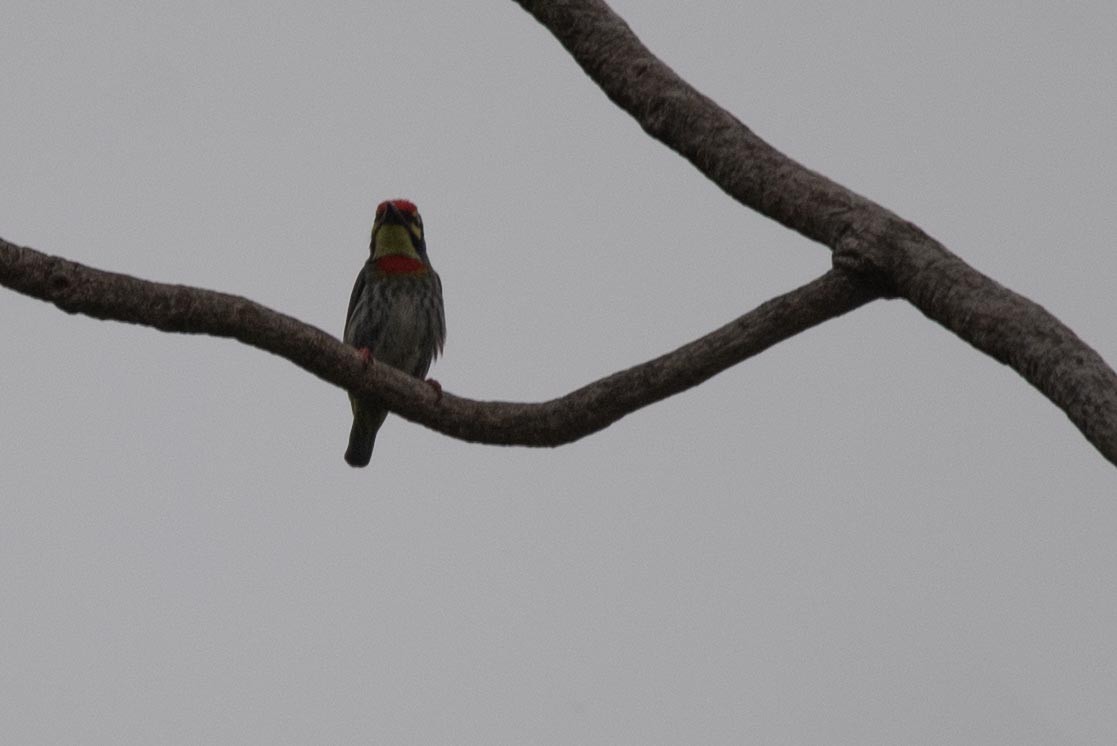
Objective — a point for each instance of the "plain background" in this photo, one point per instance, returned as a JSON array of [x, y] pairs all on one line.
[[869, 534]]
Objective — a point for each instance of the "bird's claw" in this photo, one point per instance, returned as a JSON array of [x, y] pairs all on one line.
[[437, 389], [366, 355]]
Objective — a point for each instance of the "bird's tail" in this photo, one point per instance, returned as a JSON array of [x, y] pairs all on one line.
[[362, 437]]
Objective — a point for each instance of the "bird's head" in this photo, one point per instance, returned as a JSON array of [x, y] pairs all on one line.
[[397, 235]]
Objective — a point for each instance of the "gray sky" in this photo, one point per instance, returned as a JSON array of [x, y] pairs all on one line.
[[869, 534]]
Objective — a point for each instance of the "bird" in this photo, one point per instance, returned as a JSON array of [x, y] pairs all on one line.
[[395, 313]]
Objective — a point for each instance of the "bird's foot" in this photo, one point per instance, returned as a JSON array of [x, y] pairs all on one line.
[[366, 354], [437, 389]]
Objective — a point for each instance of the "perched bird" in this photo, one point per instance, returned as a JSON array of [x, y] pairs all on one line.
[[395, 312]]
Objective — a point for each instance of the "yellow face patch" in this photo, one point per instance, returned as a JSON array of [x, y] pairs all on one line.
[[393, 240]]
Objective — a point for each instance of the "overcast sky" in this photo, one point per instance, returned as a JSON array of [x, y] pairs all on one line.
[[871, 534]]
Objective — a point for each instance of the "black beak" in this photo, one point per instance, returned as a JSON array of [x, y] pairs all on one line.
[[392, 216]]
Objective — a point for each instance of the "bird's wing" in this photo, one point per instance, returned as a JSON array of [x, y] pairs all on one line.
[[358, 291], [440, 317]]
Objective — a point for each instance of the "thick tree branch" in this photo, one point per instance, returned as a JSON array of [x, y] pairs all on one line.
[[864, 236], [875, 252], [76, 288]]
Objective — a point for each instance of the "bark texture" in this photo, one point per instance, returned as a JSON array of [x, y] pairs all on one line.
[[875, 253], [76, 288], [865, 237]]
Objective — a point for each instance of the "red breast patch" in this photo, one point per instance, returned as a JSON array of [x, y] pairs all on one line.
[[395, 264]]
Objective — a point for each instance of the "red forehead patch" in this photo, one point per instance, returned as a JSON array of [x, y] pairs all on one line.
[[403, 205]]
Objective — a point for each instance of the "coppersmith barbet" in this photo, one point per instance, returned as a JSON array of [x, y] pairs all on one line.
[[395, 312]]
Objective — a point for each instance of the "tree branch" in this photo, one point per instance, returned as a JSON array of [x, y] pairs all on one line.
[[76, 288], [875, 252], [865, 237]]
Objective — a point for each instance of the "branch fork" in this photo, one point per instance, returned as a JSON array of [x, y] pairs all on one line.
[[875, 253]]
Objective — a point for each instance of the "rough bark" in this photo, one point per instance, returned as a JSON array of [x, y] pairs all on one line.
[[76, 288], [875, 253], [865, 237]]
